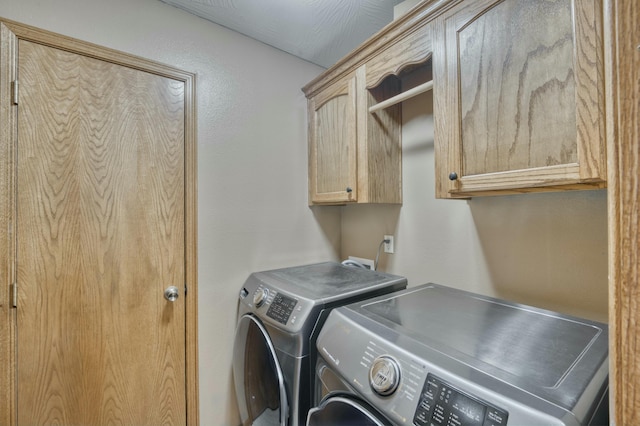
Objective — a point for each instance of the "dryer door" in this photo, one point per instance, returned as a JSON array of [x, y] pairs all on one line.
[[344, 410], [260, 391]]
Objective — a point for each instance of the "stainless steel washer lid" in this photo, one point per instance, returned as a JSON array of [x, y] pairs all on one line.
[[327, 282], [545, 353]]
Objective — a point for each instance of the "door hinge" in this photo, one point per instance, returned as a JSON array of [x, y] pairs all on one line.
[[14, 92], [14, 295]]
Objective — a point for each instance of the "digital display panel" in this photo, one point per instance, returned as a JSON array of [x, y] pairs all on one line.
[[464, 411], [442, 405], [281, 308]]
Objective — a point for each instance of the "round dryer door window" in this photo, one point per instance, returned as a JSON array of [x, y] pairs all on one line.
[[258, 378]]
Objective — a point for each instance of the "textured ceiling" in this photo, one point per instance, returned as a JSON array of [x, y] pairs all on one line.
[[319, 31]]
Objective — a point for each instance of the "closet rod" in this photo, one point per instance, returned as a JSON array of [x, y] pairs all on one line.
[[424, 87]]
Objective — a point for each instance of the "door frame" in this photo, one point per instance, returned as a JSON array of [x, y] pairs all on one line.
[[10, 33], [622, 62]]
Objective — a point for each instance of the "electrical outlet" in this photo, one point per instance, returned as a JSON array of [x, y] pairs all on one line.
[[389, 247]]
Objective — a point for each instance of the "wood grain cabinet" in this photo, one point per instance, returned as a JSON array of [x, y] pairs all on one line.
[[518, 98], [332, 143], [355, 115], [354, 156]]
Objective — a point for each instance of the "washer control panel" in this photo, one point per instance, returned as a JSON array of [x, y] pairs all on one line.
[[281, 308], [384, 375], [275, 307], [442, 404]]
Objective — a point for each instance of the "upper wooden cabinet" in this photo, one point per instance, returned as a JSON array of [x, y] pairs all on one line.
[[518, 102], [355, 153], [518, 98], [354, 156]]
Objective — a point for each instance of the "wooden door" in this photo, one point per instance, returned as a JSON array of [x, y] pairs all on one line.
[[100, 235]]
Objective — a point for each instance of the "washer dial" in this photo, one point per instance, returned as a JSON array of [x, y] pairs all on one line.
[[260, 296], [384, 375]]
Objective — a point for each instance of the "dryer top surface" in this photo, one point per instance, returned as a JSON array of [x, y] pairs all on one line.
[[327, 282]]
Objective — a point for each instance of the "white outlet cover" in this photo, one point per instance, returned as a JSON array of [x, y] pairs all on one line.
[[389, 247]]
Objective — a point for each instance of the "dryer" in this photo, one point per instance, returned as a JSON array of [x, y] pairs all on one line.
[[280, 315], [433, 355]]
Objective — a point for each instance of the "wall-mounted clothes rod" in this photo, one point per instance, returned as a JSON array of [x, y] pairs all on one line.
[[424, 87]]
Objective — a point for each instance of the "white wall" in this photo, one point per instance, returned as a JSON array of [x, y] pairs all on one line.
[[547, 250], [252, 156]]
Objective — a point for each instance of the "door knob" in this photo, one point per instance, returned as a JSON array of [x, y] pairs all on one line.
[[171, 293]]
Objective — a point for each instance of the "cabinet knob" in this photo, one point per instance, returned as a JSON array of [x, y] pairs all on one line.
[[349, 189], [453, 176]]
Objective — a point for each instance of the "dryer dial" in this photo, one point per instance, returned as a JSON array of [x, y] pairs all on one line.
[[384, 375], [260, 296]]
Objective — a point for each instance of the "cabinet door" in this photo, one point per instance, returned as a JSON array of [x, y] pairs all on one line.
[[523, 107], [332, 144]]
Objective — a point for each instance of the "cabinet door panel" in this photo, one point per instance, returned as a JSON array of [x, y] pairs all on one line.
[[333, 169], [522, 90], [333, 147], [517, 87]]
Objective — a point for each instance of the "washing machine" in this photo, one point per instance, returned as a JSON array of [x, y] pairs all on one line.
[[280, 314], [433, 355]]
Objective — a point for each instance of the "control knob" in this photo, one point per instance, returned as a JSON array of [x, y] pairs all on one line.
[[384, 375], [260, 296]]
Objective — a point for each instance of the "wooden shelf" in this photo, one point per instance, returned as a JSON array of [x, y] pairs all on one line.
[[424, 87]]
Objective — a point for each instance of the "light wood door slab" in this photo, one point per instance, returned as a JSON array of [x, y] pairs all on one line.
[[100, 235]]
